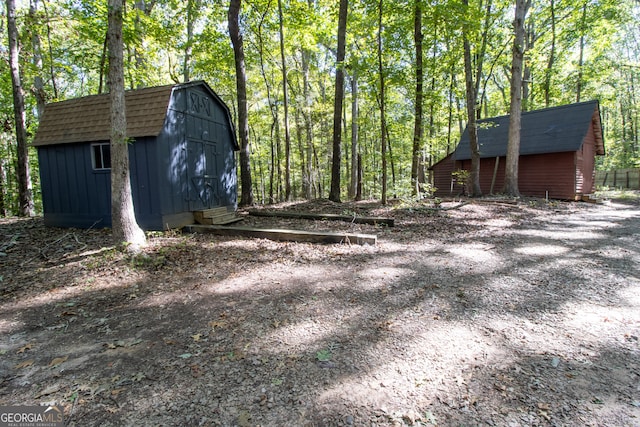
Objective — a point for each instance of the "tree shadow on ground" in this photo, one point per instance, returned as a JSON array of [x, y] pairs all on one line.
[[228, 332]]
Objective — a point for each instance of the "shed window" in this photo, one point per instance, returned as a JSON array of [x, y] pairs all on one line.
[[101, 156]]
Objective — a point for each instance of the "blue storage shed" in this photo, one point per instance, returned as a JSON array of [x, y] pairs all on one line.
[[182, 157]]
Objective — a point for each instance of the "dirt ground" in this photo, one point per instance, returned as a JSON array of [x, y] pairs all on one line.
[[494, 313]]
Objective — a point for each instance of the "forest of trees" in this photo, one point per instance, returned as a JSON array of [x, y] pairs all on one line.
[[405, 96]]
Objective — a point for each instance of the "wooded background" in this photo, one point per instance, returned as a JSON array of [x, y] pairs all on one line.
[[575, 50]]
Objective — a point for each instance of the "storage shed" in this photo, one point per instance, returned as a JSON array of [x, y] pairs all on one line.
[[182, 157], [558, 146]]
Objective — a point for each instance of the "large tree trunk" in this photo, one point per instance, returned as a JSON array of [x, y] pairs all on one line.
[[515, 110], [334, 194], [418, 121], [243, 117], [25, 196], [123, 219]]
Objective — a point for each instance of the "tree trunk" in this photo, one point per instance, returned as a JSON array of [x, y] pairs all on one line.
[[3, 207], [418, 123], [529, 43], [354, 135], [188, 49], [142, 65], [103, 61], [51, 61], [38, 82], [123, 220], [552, 57], [287, 133], [334, 194], [25, 196], [581, 53], [383, 123], [308, 131], [471, 94], [243, 118], [515, 110]]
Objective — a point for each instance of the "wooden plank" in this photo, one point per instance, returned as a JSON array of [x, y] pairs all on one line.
[[285, 235], [213, 212], [226, 218], [331, 217]]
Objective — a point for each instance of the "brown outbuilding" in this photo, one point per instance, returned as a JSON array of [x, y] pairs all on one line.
[[558, 146]]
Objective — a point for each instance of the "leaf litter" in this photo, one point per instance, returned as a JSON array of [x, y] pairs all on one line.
[[488, 313]]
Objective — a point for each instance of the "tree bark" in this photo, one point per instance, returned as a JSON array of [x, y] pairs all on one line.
[[25, 195], [36, 45], [188, 48], [581, 53], [334, 194], [418, 120], [383, 119], [515, 110], [285, 94], [354, 134], [54, 86], [243, 117], [124, 227], [552, 57], [308, 131], [471, 94]]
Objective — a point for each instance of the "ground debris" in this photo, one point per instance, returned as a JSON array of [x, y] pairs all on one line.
[[499, 314]]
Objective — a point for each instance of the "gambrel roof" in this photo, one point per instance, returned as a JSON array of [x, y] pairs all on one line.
[[550, 130], [87, 119]]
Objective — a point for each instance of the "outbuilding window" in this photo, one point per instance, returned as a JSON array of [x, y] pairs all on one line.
[[101, 156]]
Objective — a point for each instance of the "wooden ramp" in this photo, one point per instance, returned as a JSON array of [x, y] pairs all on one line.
[[285, 235], [216, 216], [331, 217]]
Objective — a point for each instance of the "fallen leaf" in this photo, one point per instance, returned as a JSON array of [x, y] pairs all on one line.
[[133, 342], [58, 360], [196, 371], [47, 391], [24, 364], [169, 341], [117, 391], [196, 337], [25, 348], [543, 406], [217, 324], [139, 376]]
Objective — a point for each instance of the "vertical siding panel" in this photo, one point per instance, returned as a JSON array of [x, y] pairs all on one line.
[[80, 181], [46, 179]]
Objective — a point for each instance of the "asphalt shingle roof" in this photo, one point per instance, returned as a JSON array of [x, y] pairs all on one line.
[[551, 130], [87, 119]]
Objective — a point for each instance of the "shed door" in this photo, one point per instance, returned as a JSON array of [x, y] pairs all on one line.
[[202, 175]]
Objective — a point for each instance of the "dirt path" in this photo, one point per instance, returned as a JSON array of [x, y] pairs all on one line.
[[491, 314]]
